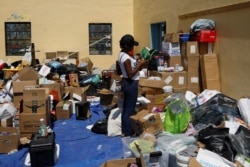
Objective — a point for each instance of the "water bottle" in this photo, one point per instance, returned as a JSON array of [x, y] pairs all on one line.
[[43, 129]]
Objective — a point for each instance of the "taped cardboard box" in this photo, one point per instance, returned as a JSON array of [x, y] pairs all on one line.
[[63, 110], [210, 72], [9, 139], [145, 121], [30, 122], [149, 86], [175, 79], [189, 48], [36, 100]]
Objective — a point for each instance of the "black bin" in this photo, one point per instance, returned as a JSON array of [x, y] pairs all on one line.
[[42, 150]]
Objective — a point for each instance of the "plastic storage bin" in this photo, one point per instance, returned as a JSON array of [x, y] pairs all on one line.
[[184, 37], [206, 36]]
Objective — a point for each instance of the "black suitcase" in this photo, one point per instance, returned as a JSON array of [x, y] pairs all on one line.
[[42, 150]]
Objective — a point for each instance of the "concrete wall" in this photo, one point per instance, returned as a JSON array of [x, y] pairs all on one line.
[[63, 24], [233, 37]]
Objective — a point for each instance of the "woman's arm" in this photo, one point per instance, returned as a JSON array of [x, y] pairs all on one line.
[[130, 72]]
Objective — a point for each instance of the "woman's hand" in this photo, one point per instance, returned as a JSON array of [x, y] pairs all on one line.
[[143, 63]]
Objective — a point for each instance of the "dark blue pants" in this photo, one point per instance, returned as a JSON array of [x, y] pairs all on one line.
[[130, 89]]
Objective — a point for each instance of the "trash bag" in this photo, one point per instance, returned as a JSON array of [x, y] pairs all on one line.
[[215, 110], [57, 67], [215, 139], [101, 126], [202, 24], [240, 141]]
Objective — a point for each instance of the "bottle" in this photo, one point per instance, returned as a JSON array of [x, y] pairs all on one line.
[[176, 68], [165, 65], [43, 129]]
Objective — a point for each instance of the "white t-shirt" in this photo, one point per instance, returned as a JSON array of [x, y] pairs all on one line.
[[122, 57]]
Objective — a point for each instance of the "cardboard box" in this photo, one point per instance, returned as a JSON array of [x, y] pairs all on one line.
[[156, 101], [18, 86], [180, 90], [172, 48], [17, 98], [75, 93], [9, 141], [144, 121], [26, 74], [210, 72], [193, 162], [7, 121], [63, 110], [55, 89], [189, 48], [171, 37], [30, 122], [175, 79], [174, 60], [149, 86], [119, 162], [193, 83], [36, 100], [86, 63], [191, 63]]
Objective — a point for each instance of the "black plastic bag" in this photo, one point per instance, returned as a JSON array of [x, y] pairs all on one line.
[[215, 140], [215, 110], [101, 126]]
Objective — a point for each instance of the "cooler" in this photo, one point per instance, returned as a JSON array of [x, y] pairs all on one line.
[[42, 150], [206, 36]]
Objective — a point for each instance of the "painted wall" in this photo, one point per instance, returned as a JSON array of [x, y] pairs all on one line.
[[233, 36], [63, 24]]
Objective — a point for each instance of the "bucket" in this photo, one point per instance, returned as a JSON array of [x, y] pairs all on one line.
[[106, 96]]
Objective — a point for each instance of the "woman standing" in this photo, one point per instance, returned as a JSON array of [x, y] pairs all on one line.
[[130, 77]]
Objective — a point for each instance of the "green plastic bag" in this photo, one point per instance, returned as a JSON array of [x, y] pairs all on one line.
[[145, 54], [177, 116]]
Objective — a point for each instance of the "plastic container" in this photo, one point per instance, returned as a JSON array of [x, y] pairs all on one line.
[[42, 150], [167, 89], [43, 129]]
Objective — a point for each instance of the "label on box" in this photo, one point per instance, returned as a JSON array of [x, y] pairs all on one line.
[[194, 80], [168, 80], [181, 81], [65, 106], [192, 49]]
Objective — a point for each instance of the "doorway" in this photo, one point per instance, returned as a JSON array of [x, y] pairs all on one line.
[[158, 31]]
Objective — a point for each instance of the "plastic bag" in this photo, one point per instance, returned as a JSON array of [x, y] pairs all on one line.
[[177, 115], [215, 140], [202, 24]]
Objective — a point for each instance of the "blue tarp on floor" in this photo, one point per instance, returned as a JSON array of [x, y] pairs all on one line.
[[78, 145]]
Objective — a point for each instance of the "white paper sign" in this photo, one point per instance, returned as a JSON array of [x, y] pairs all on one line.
[[44, 71]]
